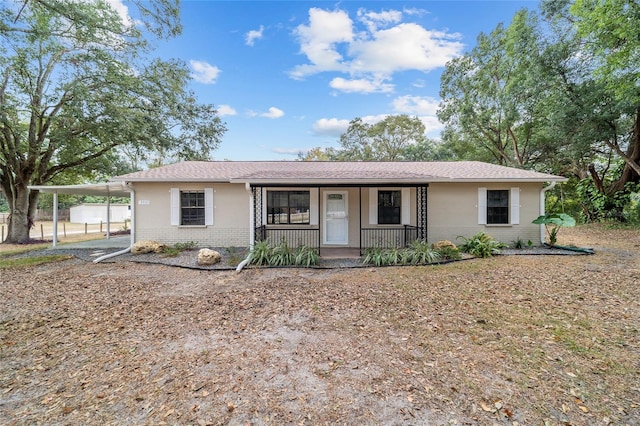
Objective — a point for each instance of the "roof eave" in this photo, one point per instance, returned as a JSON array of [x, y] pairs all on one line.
[[321, 182], [165, 180]]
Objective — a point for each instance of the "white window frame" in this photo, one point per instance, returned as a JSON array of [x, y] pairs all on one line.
[[176, 208], [514, 206]]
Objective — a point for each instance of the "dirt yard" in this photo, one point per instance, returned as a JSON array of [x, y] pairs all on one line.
[[511, 340]]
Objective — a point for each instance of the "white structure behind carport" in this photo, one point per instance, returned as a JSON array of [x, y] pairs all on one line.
[[109, 189]]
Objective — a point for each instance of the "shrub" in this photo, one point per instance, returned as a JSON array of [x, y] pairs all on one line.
[[282, 255], [518, 243], [447, 250], [177, 248], [420, 252], [375, 256], [261, 253], [481, 245], [552, 223], [189, 245], [305, 256]]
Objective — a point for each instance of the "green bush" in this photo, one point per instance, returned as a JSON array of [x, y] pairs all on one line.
[[447, 250], [189, 245], [375, 256], [481, 245], [418, 253], [282, 255], [261, 253], [177, 248], [305, 256]]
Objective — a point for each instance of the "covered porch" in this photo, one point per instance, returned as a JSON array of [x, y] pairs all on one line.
[[340, 220]]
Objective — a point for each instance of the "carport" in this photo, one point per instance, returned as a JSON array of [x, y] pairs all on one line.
[[108, 190]]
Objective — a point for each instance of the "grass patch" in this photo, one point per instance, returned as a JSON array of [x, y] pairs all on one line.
[[22, 250], [31, 261]]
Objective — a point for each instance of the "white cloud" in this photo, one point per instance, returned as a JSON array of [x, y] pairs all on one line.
[[203, 72], [415, 105], [373, 119], [432, 126], [337, 126], [404, 47], [385, 45], [226, 110], [360, 85], [288, 151], [122, 10], [254, 35], [424, 108], [319, 39], [273, 113], [330, 126], [374, 20]]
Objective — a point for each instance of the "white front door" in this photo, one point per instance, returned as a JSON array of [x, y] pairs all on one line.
[[336, 218]]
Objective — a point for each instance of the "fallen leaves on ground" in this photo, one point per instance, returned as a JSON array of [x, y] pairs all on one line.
[[507, 340]]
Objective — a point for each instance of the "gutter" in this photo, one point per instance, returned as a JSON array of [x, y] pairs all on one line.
[[542, 208], [252, 230], [133, 232]]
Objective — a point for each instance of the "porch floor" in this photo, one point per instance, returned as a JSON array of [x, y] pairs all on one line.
[[339, 253]]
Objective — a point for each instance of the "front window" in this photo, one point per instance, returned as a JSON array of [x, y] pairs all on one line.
[[497, 206], [288, 207], [192, 207], [389, 203]]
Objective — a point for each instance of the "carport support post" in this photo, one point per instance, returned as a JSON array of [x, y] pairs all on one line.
[[108, 215], [55, 218]]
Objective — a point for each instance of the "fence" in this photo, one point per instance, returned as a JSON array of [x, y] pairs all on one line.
[[45, 230]]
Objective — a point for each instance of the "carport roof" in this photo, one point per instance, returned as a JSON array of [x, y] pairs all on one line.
[[111, 189]]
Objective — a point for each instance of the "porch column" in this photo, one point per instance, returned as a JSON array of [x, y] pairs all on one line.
[[421, 211], [360, 218], [257, 213]]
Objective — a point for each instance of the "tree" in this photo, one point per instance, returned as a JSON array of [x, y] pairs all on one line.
[[492, 96], [556, 92], [395, 138], [77, 84], [597, 61]]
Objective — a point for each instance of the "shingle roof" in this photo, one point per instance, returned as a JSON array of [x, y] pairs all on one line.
[[334, 172]]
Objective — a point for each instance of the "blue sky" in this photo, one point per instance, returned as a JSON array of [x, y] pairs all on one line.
[[287, 76]]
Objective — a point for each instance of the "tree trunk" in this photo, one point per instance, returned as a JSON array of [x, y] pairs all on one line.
[[22, 208], [632, 160]]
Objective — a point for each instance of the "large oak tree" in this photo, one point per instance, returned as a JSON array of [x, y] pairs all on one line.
[[78, 85], [557, 92]]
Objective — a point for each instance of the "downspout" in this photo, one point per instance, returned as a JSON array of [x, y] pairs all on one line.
[[542, 208], [133, 227], [252, 229]]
